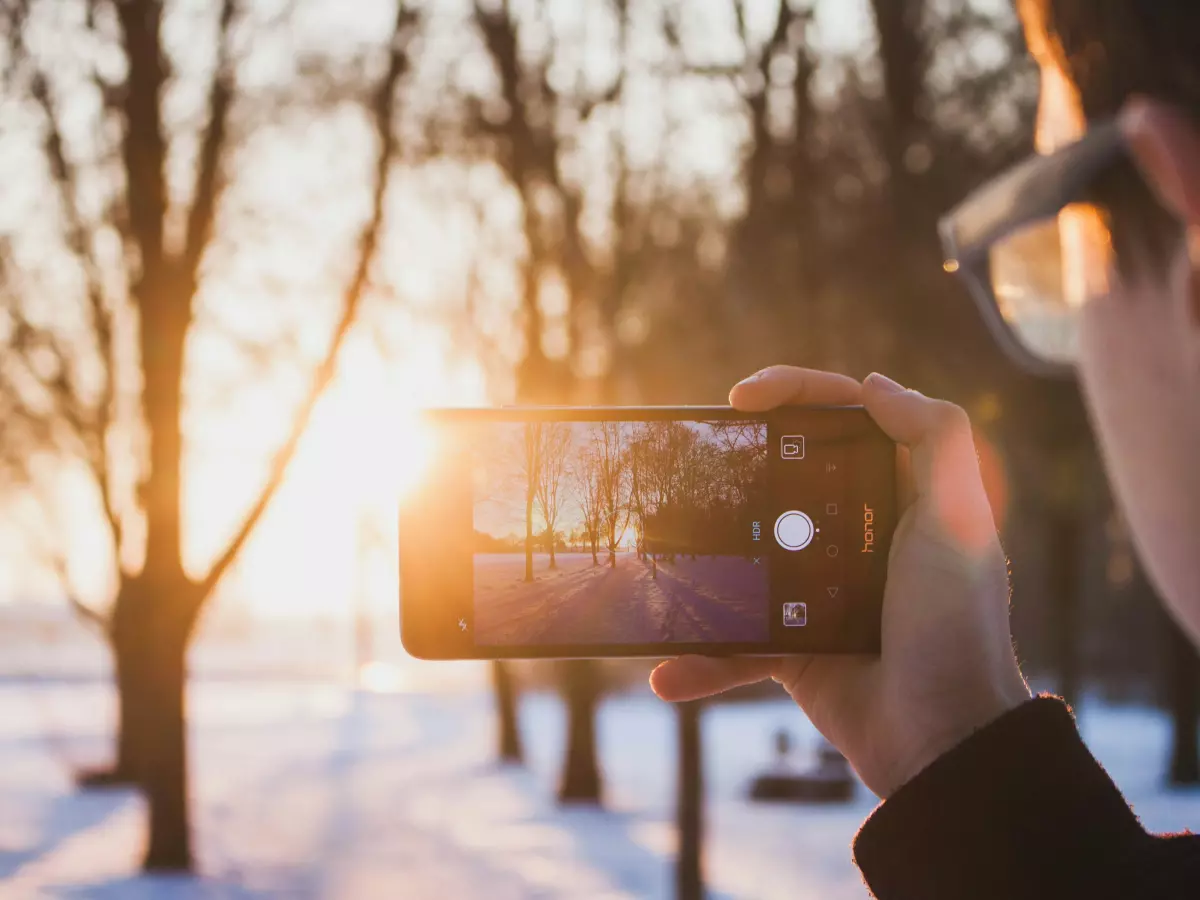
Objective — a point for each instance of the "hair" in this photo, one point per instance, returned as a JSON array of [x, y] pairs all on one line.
[[1112, 50]]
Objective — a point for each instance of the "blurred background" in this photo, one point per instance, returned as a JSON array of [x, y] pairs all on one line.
[[243, 241]]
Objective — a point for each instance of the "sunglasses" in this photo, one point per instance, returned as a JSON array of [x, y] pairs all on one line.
[[1006, 242]]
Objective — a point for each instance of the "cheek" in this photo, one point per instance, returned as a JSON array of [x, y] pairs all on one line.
[[1145, 404]]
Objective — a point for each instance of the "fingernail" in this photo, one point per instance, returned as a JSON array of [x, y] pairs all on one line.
[[883, 383], [757, 376]]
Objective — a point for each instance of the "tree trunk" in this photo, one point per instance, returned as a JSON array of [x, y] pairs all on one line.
[[131, 703], [553, 562], [163, 760], [580, 781], [508, 732], [904, 60], [1183, 686], [595, 554], [131, 712], [150, 637], [529, 536], [689, 872]]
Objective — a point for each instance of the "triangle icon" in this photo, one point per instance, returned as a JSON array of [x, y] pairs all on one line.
[[832, 591]]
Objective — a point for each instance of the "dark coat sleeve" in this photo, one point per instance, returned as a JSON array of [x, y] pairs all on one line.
[[1020, 809]]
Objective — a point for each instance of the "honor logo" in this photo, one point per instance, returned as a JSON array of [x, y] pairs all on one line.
[[868, 529]]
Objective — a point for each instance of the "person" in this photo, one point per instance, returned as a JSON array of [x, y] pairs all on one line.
[[988, 792]]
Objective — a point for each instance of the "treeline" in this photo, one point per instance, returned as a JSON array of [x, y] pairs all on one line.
[[680, 487], [561, 543], [695, 491]]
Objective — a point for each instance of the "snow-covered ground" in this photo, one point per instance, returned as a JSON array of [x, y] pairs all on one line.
[[628, 603], [315, 790]]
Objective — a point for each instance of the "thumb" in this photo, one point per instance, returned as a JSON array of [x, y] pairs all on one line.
[[908, 417], [945, 468]]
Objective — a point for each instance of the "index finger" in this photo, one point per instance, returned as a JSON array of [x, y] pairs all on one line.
[[780, 385], [696, 677]]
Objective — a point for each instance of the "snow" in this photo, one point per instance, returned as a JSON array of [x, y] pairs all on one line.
[[312, 789], [629, 602]]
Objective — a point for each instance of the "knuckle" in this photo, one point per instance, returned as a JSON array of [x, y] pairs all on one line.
[[949, 418]]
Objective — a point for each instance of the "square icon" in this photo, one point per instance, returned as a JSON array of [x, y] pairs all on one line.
[[831, 509], [795, 615], [792, 446]]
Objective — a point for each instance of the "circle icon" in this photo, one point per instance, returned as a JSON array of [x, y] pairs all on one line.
[[794, 530]]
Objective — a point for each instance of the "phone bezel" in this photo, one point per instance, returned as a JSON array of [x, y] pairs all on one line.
[[439, 649]]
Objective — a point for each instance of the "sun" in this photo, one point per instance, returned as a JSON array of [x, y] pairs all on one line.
[[367, 447], [382, 448], [413, 451]]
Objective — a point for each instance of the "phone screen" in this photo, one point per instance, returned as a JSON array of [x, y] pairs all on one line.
[[649, 532]]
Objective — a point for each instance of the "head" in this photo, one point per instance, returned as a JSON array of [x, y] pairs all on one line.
[[1136, 259]]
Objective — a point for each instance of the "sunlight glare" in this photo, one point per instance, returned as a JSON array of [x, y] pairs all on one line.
[[385, 447], [414, 451], [381, 677]]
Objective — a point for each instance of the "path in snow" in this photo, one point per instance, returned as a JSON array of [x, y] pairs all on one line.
[[711, 598]]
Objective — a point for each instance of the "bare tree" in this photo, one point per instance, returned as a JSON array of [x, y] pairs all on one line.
[[534, 128], [612, 461], [580, 780], [551, 487], [531, 467], [663, 452], [586, 484], [527, 449], [511, 749], [102, 383]]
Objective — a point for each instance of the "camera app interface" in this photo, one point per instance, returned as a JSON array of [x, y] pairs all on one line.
[[620, 532], [667, 532]]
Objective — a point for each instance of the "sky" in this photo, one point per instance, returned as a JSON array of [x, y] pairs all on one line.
[[305, 178], [500, 482]]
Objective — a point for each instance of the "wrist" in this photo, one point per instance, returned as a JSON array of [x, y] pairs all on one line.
[[953, 724]]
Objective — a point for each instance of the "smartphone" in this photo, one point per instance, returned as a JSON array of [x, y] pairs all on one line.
[[647, 532]]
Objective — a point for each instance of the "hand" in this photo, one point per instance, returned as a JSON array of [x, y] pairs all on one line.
[[947, 666]]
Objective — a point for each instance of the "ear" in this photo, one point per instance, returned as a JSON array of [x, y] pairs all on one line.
[[1166, 149]]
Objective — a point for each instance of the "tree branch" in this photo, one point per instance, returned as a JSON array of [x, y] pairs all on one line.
[[92, 430], [12, 25], [739, 16], [207, 189], [381, 107], [86, 613], [143, 143], [57, 563]]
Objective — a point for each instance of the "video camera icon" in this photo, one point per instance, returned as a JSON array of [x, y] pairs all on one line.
[[791, 446]]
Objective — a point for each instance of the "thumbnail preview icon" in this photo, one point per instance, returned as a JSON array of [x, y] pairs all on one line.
[[795, 615]]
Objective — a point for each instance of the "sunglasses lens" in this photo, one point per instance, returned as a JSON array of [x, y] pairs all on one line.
[[1032, 291]]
